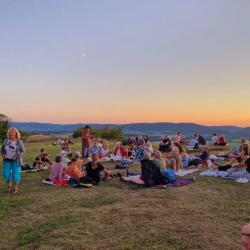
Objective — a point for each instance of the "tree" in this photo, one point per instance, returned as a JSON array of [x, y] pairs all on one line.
[[104, 133], [4, 125]]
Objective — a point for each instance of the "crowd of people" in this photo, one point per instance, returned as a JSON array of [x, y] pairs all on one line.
[[157, 166], [86, 167]]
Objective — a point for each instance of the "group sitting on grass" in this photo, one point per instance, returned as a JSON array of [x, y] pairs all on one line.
[[87, 168]]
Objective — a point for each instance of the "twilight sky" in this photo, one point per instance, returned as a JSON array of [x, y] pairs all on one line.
[[119, 61]]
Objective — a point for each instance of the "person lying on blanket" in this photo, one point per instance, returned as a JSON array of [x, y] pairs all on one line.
[[95, 170], [244, 164]]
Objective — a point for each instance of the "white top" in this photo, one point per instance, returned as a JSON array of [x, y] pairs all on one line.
[[215, 139], [10, 149]]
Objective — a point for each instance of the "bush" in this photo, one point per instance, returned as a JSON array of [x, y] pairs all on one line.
[[104, 133], [4, 125]]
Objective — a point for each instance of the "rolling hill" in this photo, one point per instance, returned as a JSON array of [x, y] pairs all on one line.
[[154, 130]]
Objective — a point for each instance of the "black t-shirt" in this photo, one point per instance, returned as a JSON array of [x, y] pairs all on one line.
[[247, 162], [94, 173]]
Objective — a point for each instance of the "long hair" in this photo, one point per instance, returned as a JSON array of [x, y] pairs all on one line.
[[12, 129]]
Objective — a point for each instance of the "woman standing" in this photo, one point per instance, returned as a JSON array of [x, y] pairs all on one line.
[[12, 152]]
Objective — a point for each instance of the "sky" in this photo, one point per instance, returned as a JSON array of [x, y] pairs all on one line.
[[122, 61]]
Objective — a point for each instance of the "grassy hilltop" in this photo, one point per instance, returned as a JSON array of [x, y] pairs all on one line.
[[116, 215]]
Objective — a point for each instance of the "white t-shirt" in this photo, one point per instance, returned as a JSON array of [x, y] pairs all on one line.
[[215, 139], [10, 149], [105, 152]]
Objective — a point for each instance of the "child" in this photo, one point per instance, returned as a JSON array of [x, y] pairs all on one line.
[[45, 162], [37, 163]]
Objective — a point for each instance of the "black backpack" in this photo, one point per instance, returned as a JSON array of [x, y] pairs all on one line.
[[151, 173]]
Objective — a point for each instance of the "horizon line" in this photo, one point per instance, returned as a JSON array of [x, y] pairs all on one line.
[[103, 123]]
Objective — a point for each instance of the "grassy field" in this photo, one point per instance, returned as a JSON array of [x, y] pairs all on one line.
[[116, 215]]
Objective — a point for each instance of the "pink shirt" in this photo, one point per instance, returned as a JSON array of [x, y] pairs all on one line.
[[57, 171]]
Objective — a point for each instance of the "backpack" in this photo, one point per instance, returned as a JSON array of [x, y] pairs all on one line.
[[151, 173]]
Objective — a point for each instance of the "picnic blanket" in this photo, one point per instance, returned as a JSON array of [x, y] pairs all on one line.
[[238, 175], [184, 172], [80, 185], [34, 170], [177, 183]]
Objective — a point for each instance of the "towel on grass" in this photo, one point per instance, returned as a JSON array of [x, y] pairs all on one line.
[[184, 172]]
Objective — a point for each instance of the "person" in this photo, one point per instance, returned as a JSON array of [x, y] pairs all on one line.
[[193, 143], [45, 160], [74, 170], [37, 164], [12, 151], [95, 148], [165, 145], [105, 153], [42, 152], [201, 140], [174, 158], [57, 170], [178, 137], [215, 139], [94, 168], [66, 145], [245, 237], [86, 137], [157, 157], [148, 149], [222, 140], [119, 150], [131, 151]]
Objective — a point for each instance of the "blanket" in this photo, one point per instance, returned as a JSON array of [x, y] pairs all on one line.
[[82, 185], [184, 172], [34, 170]]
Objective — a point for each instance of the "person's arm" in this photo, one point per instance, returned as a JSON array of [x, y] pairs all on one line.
[[3, 150]]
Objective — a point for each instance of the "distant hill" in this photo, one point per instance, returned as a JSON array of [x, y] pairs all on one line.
[[155, 130]]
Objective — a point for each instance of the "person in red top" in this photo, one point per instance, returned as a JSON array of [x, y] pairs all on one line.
[[120, 150], [222, 141]]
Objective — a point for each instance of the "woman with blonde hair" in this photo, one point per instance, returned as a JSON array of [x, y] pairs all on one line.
[[12, 152]]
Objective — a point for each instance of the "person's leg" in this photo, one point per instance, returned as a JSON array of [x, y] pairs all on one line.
[[7, 174], [83, 150], [16, 175]]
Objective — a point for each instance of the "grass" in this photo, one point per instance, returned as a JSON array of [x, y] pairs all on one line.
[[116, 215]]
